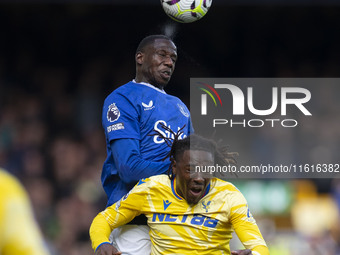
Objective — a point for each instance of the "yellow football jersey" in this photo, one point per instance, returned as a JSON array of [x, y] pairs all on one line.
[[179, 228], [19, 234]]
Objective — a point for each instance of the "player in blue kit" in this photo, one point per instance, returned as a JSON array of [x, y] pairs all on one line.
[[130, 114]]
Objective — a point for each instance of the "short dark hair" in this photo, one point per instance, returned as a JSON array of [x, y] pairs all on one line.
[[194, 142], [149, 40]]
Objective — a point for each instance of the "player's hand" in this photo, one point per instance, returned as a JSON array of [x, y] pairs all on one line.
[[107, 249], [242, 252]]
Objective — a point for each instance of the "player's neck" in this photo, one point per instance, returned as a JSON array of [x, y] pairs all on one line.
[[148, 83]]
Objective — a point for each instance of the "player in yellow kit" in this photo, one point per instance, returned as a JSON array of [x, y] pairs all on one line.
[[19, 233], [188, 212]]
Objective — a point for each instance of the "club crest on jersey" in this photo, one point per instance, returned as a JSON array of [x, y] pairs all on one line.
[[183, 110], [206, 205], [113, 113]]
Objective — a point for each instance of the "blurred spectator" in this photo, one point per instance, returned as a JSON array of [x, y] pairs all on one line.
[[19, 233]]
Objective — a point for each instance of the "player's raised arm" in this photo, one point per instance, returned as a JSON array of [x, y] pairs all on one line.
[[245, 226]]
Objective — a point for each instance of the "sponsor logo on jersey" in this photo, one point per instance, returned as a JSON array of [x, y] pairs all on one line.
[[166, 204], [115, 127], [113, 113], [148, 106], [158, 128], [196, 219], [183, 110]]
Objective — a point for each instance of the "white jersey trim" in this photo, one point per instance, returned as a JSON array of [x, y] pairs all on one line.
[[150, 86]]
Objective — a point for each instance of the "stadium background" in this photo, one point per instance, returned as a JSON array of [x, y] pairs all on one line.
[[59, 59]]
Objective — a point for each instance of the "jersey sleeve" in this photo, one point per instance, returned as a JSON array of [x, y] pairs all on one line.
[[245, 225], [120, 117], [120, 213], [130, 164]]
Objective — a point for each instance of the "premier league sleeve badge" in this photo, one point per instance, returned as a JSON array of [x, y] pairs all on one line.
[[113, 113]]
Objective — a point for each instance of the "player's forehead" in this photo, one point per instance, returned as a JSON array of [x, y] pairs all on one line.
[[164, 44], [194, 157]]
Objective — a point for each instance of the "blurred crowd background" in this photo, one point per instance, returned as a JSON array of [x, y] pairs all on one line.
[[59, 61]]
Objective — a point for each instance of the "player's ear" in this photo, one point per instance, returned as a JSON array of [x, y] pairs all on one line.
[[139, 58], [174, 167]]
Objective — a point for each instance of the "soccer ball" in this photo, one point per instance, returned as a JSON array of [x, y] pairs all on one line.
[[186, 11]]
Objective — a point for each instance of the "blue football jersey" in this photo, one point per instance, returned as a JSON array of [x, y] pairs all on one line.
[[136, 110]]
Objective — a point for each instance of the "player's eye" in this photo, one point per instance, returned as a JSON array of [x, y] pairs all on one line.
[[191, 169]]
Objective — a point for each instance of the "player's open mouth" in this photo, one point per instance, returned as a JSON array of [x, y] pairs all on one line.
[[166, 74], [196, 191]]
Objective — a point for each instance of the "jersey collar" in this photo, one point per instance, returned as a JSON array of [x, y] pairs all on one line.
[[173, 185], [150, 86]]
